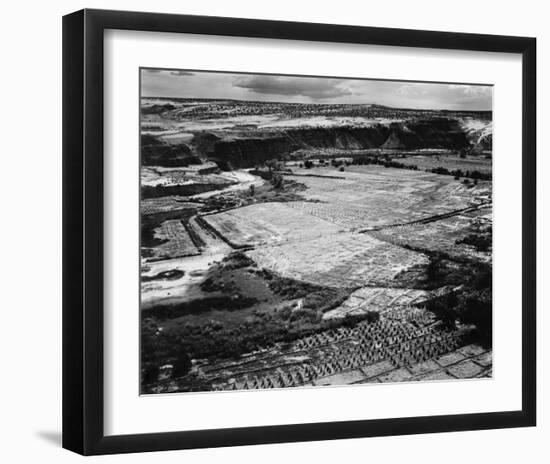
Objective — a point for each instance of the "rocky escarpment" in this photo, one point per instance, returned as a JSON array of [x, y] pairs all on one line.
[[484, 142], [247, 150], [243, 152], [430, 133], [479, 133], [149, 191], [155, 152]]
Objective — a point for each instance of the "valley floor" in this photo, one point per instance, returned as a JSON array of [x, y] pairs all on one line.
[[324, 281]]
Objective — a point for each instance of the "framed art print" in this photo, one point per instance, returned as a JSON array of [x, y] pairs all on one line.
[[281, 231]]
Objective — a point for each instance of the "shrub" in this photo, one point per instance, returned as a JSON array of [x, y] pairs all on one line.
[[159, 347], [470, 304], [478, 310], [434, 273], [481, 242], [444, 309], [372, 316], [277, 181], [237, 260]]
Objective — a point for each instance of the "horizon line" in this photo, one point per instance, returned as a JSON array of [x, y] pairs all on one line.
[[325, 104]]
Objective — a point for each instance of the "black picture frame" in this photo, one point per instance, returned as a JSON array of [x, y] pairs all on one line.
[[83, 401]]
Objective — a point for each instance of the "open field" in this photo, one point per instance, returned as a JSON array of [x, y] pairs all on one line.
[[443, 235], [268, 223], [380, 300], [343, 260], [166, 204], [177, 242], [414, 195]]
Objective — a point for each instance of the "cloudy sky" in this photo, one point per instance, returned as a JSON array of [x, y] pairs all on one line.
[[262, 87]]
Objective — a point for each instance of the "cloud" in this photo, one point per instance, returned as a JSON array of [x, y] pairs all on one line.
[[293, 89], [164, 72], [481, 90], [471, 96], [314, 88], [412, 90], [181, 73]]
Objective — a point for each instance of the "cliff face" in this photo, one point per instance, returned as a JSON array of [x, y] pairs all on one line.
[[185, 189], [243, 152], [155, 152], [484, 142], [433, 133], [479, 132], [250, 147]]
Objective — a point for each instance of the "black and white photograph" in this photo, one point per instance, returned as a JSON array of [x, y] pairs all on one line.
[[275, 232], [301, 231]]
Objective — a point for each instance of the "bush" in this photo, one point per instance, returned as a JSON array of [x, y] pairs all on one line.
[[277, 181], [481, 242], [237, 260], [434, 273], [470, 304], [159, 348], [305, 314], [444, 309], [372, 316], [478, 310]]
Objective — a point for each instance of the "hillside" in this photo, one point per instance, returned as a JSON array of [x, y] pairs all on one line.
[[237, 134]]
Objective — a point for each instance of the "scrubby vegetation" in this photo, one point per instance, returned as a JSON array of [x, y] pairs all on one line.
[[385, 161], [159, 348], [481, 240], [294, 311], [458, 173], [470, 302], [214, 339]]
